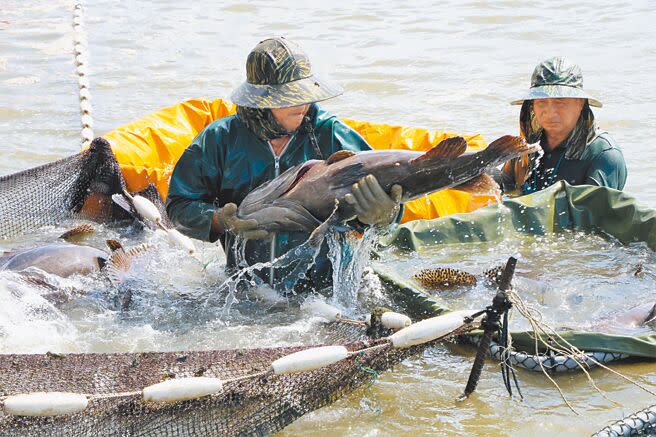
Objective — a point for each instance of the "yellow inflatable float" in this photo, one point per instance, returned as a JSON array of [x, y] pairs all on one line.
[[148, 148]]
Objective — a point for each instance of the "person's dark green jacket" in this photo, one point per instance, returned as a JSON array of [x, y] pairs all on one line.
[[226, 161], [601, 164]]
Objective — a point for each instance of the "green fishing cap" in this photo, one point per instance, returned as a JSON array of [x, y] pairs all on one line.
[[279, 75], [557, 78]]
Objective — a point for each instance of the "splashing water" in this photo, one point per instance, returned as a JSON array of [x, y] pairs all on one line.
[[349, 256], [303, 256]]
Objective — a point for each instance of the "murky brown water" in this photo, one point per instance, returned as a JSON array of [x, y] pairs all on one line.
[[453, 66]]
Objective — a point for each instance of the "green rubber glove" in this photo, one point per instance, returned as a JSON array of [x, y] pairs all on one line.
[[225, 219], [372, 204]]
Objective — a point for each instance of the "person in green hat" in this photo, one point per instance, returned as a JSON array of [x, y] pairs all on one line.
[[278, 125], [556, 113]]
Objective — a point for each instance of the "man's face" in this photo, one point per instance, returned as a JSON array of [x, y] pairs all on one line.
[[558, 117], [290, 118]]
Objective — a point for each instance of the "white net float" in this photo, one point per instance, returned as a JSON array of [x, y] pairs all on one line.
[[182, 389], [82, 70], [146, 209], [180, 240], [429, 329], [309, 359], [83, 82], [392, 320], [85, 106], [45, 404], [87, 120]]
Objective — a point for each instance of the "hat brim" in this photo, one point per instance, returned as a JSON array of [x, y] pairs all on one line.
[[557, 92], [299, 92]]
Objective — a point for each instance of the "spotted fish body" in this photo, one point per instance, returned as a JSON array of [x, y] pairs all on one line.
[[444, 278], [493, 275]]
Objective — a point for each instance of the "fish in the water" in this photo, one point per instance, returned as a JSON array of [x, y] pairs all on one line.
[[304, 197], [447, 278], [78, 233], [67, 259], [444, 278], [637, 316]]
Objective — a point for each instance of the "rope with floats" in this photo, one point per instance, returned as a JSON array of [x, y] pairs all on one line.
[[186, 388], [82, 72]]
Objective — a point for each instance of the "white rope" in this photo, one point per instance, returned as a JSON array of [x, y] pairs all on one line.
[[81, 70]]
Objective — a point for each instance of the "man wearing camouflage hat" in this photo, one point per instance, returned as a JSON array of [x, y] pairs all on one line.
[[556, 113], [278, 125]]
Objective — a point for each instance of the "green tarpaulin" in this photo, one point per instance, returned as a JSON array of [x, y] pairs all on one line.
[[587, 208]]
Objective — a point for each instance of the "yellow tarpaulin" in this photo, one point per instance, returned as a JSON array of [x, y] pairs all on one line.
[[148, 148]]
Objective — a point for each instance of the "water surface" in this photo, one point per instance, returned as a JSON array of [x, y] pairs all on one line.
[[454, 66]]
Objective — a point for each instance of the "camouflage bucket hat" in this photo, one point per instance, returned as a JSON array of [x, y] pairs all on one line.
[[557, 78], [278, 75]]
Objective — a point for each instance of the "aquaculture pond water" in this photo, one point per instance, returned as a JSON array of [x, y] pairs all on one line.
[[454, 66]]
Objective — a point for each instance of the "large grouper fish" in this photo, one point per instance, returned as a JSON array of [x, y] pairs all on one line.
[[305, 196]]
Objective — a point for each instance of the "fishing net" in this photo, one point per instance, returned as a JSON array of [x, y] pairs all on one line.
[[254, 406], [80, 186], [252, 401]]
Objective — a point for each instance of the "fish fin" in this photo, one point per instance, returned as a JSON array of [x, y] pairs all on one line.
[[122, 201], [651, 317], [338, 156], [138, 250], [509, 144], [290, 212], [114, 245], [317, 236], [481, 184], [78, 232], [348, 175], [444, 278], [38, 278], [448, 148], [120, 261], [118, 265], [272, 190]]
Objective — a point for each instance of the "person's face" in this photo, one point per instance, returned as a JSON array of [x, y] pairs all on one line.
[[558, 117], [290, 118]]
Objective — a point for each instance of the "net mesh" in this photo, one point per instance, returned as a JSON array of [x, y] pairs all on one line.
[[251, 407], [45, 195], [83, 185], [80, 186]]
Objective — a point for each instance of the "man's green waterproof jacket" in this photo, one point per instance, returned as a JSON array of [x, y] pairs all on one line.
[[226, 161]]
